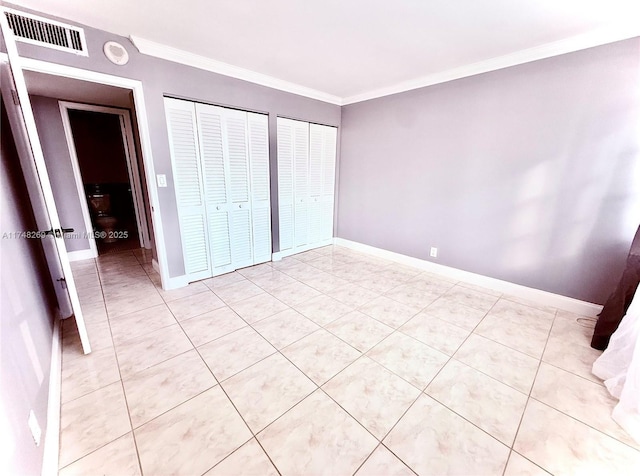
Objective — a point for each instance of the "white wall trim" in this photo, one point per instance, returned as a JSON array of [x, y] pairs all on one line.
[[568, 45], [301, 249], [176, 55], [543, 297], [177, 282], [277, 256], [556, 48], [82, 254], [52, 435], [172, 283], [75, 165], [136, 86]]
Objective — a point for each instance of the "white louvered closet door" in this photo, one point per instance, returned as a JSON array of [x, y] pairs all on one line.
[[301, 183], [235, 135], [285, 135], [258, 128], [215, 183], [187, 173], [315, 183], [329, 150]]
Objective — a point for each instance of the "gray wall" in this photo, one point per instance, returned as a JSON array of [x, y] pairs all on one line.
[[528, 174], [162, 78], [26, 322], [58, 160]]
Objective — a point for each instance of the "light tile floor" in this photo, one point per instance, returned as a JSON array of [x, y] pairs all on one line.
[[327, 362]]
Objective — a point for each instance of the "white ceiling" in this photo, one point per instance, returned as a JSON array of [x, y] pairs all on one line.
[[356, 49]]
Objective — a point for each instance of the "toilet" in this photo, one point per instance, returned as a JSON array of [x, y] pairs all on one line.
[[101, 207]]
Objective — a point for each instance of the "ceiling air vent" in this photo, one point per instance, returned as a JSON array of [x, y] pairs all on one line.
[[45, 32]]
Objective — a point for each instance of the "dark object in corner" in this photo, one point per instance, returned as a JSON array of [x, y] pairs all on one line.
[[618, 303]]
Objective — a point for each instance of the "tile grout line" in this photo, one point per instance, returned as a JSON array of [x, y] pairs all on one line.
[[323, 327], [219, 384], [337, 403], [362, 354], [124, 393], [103, 386], [515, 437]]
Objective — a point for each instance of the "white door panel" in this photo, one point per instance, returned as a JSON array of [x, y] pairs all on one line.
[[285, 137], [187, 176], [216, 185], [242, 254], [329, 144], [37, 178], [260, 186], [220, 241], [237, 158], [306, 173], [221, 168]]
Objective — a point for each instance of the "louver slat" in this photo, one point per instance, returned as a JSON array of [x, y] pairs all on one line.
[[301, 183], [215, 181], [285, 182], [236, 135]]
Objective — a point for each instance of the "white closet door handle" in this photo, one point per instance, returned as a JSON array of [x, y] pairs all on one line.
[[240, 206], [218, 207]]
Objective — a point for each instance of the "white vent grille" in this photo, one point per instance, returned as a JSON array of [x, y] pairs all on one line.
[[45, 32]]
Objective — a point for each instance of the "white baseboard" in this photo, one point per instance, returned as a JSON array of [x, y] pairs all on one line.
[[81, 254], [542, 297], [277, 256], [177, 282], [52, 435]]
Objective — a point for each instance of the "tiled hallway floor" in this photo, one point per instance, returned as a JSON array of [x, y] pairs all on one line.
[[329, 362]]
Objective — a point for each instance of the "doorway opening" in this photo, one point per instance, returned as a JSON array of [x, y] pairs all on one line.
[[107, 177]]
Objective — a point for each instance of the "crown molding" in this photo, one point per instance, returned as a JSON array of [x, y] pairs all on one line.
[[548, 50], [556, 48], [176, 55]]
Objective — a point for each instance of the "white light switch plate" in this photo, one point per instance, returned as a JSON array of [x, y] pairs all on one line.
[[162, 180]]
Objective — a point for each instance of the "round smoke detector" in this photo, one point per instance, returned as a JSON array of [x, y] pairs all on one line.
[[116, 53]]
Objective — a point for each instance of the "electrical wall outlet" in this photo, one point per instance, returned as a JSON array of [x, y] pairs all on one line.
[[434, 252], [36, 431]]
